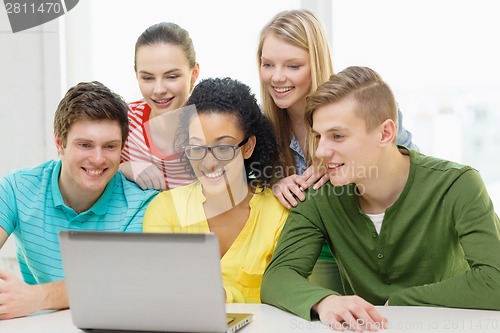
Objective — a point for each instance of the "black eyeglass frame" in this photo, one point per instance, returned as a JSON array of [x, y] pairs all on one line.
[[207, 149]]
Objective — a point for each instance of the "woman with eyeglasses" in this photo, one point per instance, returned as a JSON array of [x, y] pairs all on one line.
[[231, 149]]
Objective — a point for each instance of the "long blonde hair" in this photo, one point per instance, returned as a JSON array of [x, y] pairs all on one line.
[[302, 29]]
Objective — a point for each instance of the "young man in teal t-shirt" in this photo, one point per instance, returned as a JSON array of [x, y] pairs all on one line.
[[81, 191]]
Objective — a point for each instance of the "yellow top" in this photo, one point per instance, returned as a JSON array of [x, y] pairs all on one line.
[[242, 266]]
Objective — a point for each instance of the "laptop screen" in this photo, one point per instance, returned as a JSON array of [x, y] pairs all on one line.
[[144, 281]]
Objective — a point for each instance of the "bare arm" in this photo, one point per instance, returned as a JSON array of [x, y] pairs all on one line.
[[18, 299], [3, 237]]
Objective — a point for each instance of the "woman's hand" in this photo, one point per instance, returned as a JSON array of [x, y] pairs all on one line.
[[292, 187], [145, 174], [315, 175]]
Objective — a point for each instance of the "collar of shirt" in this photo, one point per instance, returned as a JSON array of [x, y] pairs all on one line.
[[100, 207]]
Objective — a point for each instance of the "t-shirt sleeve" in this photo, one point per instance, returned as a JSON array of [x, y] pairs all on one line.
[[8, 205], [136, 222], [285, 283], [478, 230], [156, 218]]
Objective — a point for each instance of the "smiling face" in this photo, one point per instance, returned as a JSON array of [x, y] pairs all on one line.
[[165, 77], [349, 152], [90, 158], [212, 129], [285, 73]]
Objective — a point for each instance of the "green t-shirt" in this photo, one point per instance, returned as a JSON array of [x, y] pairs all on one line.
[[439, 244]]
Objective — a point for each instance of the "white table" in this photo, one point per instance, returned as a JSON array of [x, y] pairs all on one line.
[[268, 319]]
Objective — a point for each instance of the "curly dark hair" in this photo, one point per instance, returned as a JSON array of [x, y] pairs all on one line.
[[231, 97]]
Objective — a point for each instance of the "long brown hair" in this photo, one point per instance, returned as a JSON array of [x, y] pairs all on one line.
[[167, 33]]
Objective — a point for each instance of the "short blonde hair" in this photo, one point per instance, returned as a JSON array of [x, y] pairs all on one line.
[[375, 102], [374, 97]]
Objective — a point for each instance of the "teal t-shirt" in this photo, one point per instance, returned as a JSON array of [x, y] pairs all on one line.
[[33, 210]]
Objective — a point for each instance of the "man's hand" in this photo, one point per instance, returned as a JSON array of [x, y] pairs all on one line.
[[352, 312], [18, 299], [145, 174], [291, 187]]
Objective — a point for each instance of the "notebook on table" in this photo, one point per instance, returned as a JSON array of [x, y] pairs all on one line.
[[146, 282]]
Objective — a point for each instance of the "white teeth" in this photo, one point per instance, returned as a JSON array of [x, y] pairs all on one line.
[[214, 174], [282, 89], [162, 101], [332, 166], [95, 172]]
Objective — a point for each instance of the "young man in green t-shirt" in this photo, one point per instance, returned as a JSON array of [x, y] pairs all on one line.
[[405, 228]]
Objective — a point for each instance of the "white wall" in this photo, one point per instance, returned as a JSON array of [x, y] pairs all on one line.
[[443, 62], [29, 93], [224, 32]]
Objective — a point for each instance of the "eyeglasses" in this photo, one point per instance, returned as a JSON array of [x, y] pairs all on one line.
[[220, 152]]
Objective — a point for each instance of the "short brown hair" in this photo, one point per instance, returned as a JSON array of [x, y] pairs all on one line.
[[374, 98], [90, 101]]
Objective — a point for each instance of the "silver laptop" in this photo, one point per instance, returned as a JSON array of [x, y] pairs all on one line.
[[146, 282]]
